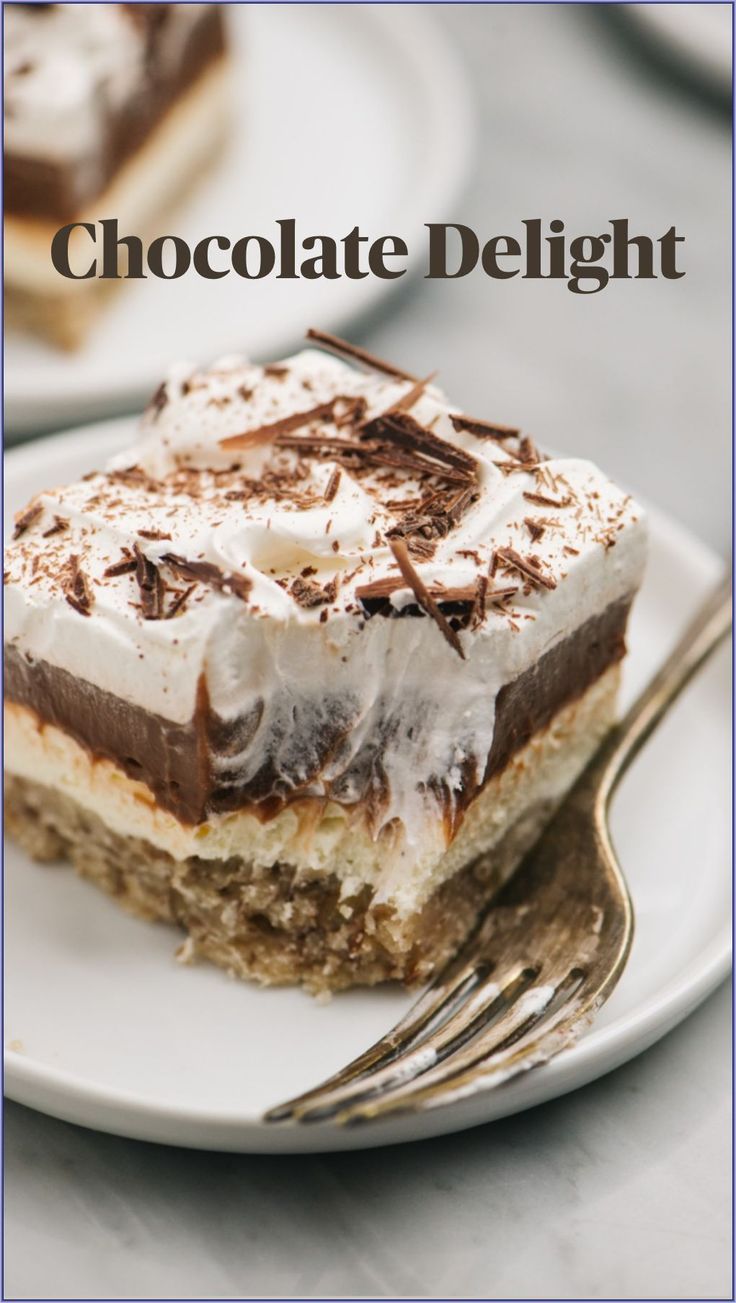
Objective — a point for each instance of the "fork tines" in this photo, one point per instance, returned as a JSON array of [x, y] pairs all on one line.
[[466, 1032]]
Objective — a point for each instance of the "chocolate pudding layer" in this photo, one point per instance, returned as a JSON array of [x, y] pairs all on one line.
[[189, 767]]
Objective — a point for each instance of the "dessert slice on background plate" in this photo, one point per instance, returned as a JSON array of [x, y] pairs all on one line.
[[110, 109], [308, 669]]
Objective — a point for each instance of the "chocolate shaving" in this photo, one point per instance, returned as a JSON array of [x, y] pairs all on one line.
[[58, 527], [179, 602], [318, 443], [424, 598], [459, 593], [309, 594], [402, 429], [515, 466], [133, 476], [77, 592], [265, 433], [332, 485], [380, 588], [528, 451], [542, 500], [484, 429], [429, 526], [27, 518], [349, 411], [420, 549], [535, 527], [207, 573], [415, 463], [369, 454], [500, 594], [151, 585], [438, 517], [481, 589], [393, 439], [391, 584], [412, 395], [158, 401], [525, 566], [338, 409], [336, 345], [125, 566], [78, 606], [153, 534], [459, 504], [408, 399]]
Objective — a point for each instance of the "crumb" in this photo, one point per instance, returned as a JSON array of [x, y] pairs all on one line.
[[186, 953]]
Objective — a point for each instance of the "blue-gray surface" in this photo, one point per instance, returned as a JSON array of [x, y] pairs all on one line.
[[623, 1188]]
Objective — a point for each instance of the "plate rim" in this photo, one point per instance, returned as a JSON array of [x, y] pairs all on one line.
[[62, 1094], [435, 64], [660, 1013]]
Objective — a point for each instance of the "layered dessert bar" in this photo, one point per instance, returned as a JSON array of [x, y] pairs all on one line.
[[308, 669], [110, 111]]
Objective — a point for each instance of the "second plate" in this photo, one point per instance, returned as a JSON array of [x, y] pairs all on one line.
[[379, 134]]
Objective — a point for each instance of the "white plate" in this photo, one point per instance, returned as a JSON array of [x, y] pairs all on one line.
[[346, 114], [103, 1028]]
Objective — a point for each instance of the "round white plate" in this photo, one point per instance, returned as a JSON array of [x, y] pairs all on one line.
[[103, 1028], [346, 114]]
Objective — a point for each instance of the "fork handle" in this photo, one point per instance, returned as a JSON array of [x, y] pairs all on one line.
[[705, 632]]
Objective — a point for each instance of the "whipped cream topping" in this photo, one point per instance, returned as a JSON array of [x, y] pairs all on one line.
[[323, 545], [69, 67]]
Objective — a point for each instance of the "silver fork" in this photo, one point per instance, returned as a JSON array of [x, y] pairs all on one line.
[[546, 955]]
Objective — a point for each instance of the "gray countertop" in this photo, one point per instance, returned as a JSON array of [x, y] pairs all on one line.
[[623, 1188]]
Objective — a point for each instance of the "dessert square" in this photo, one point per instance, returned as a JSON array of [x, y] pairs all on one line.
[[308, 669], [110, 110]]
